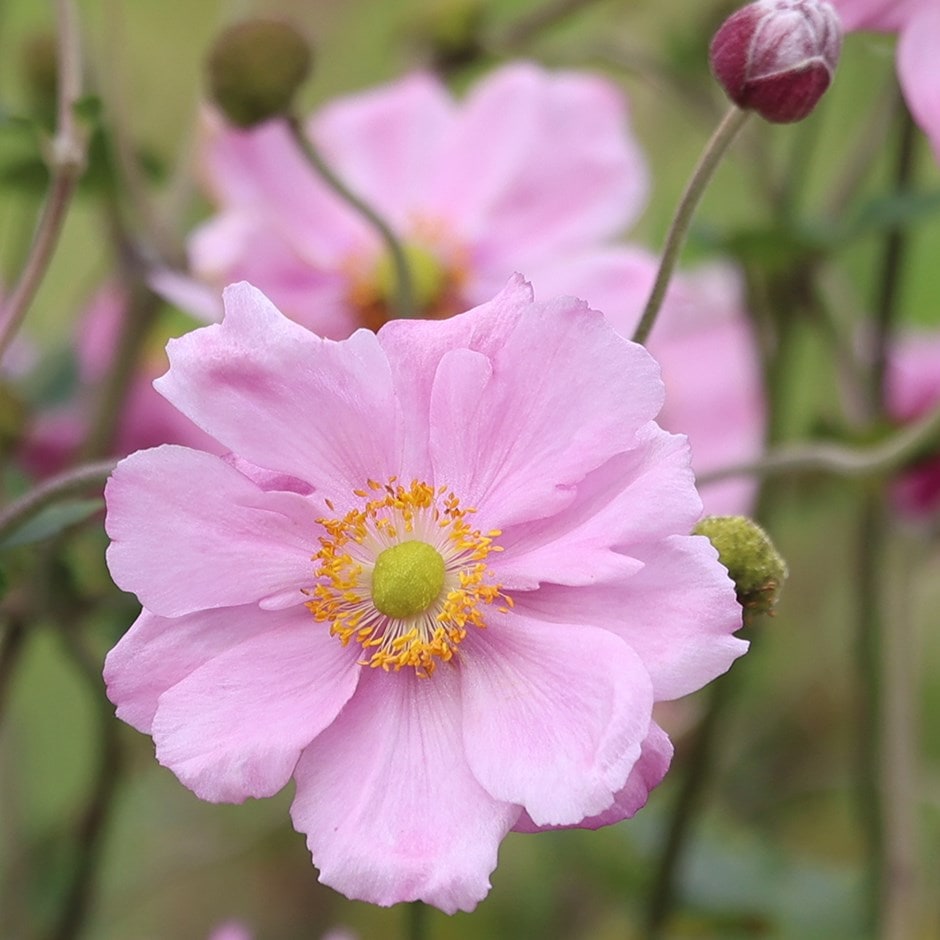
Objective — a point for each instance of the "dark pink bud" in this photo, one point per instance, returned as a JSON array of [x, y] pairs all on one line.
[[776, 57]]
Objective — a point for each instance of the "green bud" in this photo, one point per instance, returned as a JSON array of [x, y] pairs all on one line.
[[255, 68], [753, 563]]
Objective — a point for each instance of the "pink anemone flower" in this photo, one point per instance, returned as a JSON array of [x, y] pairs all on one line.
[[439, 581], [917, 23], [534, 171]]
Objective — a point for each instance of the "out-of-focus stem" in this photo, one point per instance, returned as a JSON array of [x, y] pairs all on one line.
[[711, 156], [66, 160], [417, 921], [528, 26], [886, 308], [869, 572], [696, 777], [50, 491], [404, 302], [838, 459]]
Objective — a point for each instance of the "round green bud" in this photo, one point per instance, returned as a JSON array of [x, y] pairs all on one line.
[[255, 68], [407, 579], [753, 562]]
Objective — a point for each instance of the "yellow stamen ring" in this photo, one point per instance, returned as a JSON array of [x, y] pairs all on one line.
[[404, 576]]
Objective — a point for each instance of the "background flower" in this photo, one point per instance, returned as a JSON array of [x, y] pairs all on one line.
[[917, 23], [535, 171], [540, 418]]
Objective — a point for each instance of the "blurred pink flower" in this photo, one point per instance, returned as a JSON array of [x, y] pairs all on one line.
[[501, 585], [231, 930], [913, 390], [917, 23], [146, 418], [535, 172]]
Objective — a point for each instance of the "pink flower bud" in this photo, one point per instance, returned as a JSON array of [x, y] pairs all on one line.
[[777, 57]]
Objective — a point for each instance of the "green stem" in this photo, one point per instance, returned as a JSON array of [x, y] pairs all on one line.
[[711, 156], [404, 302], [869, 566], [417, 913], [697, 774], [61, 486], [66, 163], [892, 263], [824, 457]]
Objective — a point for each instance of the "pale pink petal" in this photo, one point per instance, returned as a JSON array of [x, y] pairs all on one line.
[[157, 652], [539, 163], [884, 15], [390, 808], [643, 494], [511, 433], [415, 348], [919, 69], [385, 143], [263, 171], [553, 714], [647, 774], [187, 293], [286, 400], [235, 727], [678, 613], [190, 532]]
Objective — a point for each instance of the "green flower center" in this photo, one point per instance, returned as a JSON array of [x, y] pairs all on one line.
[[407, 579], [428, 276]]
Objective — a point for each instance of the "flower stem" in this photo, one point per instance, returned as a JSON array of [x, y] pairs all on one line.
[[417, 921], [711, 156], [66, 160], [839, 459], [404, 302], [694, 783], [63, 485]]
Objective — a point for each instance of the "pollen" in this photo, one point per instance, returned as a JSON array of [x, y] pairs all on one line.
[[403, 574]]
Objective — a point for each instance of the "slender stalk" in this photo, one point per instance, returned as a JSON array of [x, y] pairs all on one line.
[[902, 883], [530, 24], [66, 160], [869, 743], [839, 459], [404, 302], [711, 156], [697, 774], [52, 490], [417, 921], [892, 263]]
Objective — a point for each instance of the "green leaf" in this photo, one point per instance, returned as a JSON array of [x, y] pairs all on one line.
[[52, 520]]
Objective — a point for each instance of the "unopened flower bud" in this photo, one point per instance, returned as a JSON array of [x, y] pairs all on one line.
[[255, 68], [753, 563], [777, 57]]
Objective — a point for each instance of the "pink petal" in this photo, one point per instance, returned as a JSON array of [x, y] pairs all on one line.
[[286, 400], [235, 727], [511, 433], [554, 715], [539, 163], [647, 774], [415, 348], [187, 293], [157, 652], [919, 69], [385, 143], [190, 532], [263, 171], [884, 15], [677, 614], [638, 496], [390, 808]]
